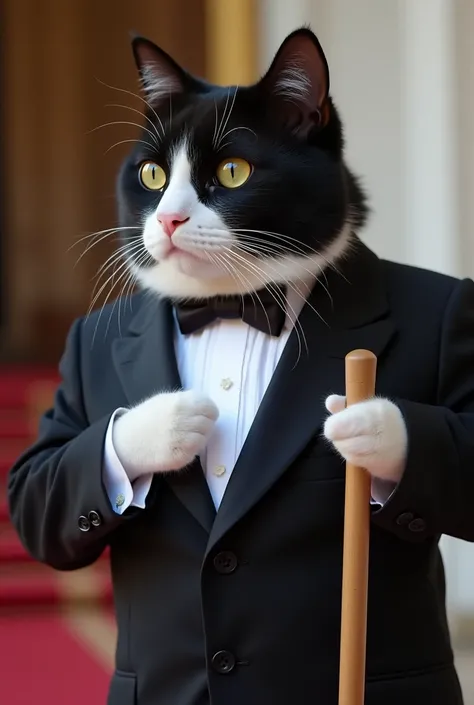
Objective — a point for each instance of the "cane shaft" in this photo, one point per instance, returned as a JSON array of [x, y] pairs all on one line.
[[360, 384]]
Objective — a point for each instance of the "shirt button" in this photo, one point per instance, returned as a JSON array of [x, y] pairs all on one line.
[[120, 500], [226, 383], [219, 470], [84, 523], [223, 662]]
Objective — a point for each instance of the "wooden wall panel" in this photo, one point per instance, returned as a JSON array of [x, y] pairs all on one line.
[[59, 183]]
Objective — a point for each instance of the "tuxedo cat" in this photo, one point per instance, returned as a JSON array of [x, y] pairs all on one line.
[[226, 568], [231, 191]]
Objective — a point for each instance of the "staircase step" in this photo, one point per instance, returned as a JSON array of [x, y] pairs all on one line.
[[10, 450], [11, 550], [13, 429], [23, 581], [39, 585], [21, 391]]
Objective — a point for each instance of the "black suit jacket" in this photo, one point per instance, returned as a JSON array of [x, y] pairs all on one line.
[[243, 607]]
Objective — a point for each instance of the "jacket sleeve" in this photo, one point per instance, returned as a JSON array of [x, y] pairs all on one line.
[[57, 500], [436, 493]]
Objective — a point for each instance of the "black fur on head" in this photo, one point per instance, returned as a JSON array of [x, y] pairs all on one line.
[[300, 200]]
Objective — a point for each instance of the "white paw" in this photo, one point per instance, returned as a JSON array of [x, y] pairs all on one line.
[[164, 432], [371, 434]]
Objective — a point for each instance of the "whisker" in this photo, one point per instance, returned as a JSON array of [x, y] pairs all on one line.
[[134, 95], [278, 297], [245, 282], [282, 301], [123, 122], [321, 255], [330, 264], [100, 232], [93, 244], [117, 144], [215, 124], [221, 127], [96, 297], [227, 119], [221, 146], [300, 295], [158, 137], [118, 255], [279, 236], [106, 299], [125, 291], [255, 251]]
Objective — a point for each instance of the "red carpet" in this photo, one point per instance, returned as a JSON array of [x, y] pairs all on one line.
[[57, 634], [42, 663]]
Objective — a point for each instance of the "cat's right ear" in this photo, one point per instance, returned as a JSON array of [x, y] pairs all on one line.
[[160, 75]]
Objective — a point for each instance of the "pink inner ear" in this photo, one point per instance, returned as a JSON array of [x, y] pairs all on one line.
[[300, 73], [160, 75], [146, 54]]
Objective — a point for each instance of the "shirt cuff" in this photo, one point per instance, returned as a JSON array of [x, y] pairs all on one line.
[[120, 491], [381, 491]]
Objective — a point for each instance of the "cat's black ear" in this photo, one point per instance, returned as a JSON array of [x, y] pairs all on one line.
[[297, 83], [160, 75]]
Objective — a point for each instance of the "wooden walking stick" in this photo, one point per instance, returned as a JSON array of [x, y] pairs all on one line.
[[361, 368]]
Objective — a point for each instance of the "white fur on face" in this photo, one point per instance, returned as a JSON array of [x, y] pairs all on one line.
[[190, 258], [203, 257]]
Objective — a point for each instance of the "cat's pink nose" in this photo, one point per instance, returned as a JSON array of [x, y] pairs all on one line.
[[170, 221]]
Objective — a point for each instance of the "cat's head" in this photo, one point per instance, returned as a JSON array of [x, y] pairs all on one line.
[[231, 188]]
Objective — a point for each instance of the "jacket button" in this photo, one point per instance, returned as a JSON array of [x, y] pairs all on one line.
[[405, 518], [223, 662], [417, 525], [94, 518], [83, 523], [225, 562]]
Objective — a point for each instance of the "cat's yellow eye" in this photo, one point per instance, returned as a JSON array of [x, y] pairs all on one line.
[[152, 176], [233, 173]]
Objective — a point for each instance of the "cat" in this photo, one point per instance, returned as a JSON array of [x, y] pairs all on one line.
[[231, 189]]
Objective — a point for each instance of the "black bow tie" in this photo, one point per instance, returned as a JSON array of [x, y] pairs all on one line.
[[264, 310]]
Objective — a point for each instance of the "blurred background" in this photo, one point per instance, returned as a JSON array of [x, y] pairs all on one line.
[[401, 74]]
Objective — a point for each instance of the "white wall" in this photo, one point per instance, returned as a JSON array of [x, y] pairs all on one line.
[[372, 126], [401, 76]]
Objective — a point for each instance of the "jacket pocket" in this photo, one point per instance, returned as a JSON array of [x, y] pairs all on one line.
[[123, 689]]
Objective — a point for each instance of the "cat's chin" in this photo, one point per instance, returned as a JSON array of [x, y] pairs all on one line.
[[191, 265], [183, 275]]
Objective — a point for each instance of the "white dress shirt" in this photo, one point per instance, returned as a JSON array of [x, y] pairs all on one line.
[[233, 364]]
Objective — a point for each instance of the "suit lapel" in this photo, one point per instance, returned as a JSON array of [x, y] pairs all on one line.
[[146, 364], [292, 411]]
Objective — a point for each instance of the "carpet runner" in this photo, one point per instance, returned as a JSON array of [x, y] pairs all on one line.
[[57, 632]]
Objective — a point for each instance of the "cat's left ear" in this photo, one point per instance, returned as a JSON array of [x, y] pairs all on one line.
[[297, 83], [161, 76]]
